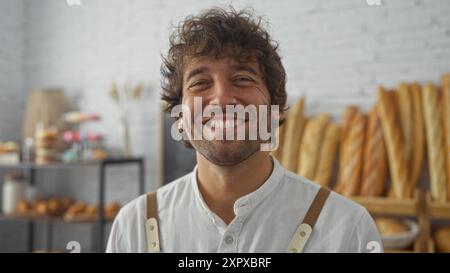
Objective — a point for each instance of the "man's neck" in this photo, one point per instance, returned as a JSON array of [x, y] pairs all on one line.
[[221, 186]]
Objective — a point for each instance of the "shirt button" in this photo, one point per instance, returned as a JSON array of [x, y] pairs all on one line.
[[229, 239]]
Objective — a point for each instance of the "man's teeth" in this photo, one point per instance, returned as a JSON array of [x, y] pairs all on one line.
[[220, 124]]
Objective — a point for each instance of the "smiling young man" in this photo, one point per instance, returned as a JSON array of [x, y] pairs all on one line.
[[238, 198]]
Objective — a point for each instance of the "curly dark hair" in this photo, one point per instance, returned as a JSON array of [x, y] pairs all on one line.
[[214, 32]]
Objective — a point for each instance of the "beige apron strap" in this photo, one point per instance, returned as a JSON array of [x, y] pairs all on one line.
[[304, 230], [151, 225]]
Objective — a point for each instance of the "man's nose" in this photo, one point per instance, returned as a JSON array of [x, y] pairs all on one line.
[[223, 94]]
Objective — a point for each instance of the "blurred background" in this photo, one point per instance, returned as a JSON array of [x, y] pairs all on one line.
[[80, 85]]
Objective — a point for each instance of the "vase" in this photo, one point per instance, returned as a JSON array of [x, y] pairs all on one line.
[[126, 150]]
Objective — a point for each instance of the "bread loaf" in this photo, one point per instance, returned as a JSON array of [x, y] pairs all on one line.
[[310, 147], [442, 239], [292, 139], [435, 145], [375, 161], [278, 153], [351, 171], [390, 226], [404, 107], [394, 145], [418, 140], [347, 118], [446, 121], [327, 156]]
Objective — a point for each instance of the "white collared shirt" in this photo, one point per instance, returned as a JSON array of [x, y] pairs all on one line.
[[265, 220]]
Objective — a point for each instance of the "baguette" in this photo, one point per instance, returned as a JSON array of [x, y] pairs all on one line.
[[375, 165], [351, 171], [404, 107], [418, 150], [327, 156], [394, 145], [294, 131], [436, 155], [347, 118], [446, 120], [278, 153], [310, 147]]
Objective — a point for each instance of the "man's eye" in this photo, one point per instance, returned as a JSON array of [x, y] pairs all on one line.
[[243, 79], [198, 84]]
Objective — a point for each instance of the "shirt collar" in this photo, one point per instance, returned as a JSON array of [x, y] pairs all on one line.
[[251, 200]]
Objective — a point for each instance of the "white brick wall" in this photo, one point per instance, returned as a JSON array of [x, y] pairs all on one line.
[[335, 53], [12, 98], [12, 79]]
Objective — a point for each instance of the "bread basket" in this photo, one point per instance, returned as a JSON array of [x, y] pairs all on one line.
[[401, 240]]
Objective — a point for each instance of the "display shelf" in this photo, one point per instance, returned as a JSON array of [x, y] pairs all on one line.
[[404, 207], [388, 206], [100, 220], [414, 249], [430, 247], [438, 210], [18, 217], [55, 219], [83, 163], [422, 208]]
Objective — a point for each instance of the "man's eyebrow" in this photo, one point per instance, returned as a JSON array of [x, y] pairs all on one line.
[[196, 71], [245, 67]]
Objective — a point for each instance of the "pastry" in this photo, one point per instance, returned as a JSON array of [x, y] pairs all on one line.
[[111, 210], [54, 207], [389, 226], [45, 143], [66, 202], [40, 208], [76, 209], [91, 211], [46, 134], [23, 207], [442, 239], [10, 147]]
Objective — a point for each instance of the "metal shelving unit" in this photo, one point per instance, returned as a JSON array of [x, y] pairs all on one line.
[[30, 172]]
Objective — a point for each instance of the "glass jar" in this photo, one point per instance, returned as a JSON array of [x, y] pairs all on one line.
[[13, 192], [28, 150]]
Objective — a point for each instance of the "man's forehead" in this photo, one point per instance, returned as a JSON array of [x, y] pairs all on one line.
[[219, 62]]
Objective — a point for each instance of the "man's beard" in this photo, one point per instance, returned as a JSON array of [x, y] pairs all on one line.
[[226, 152], [216, 149]]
